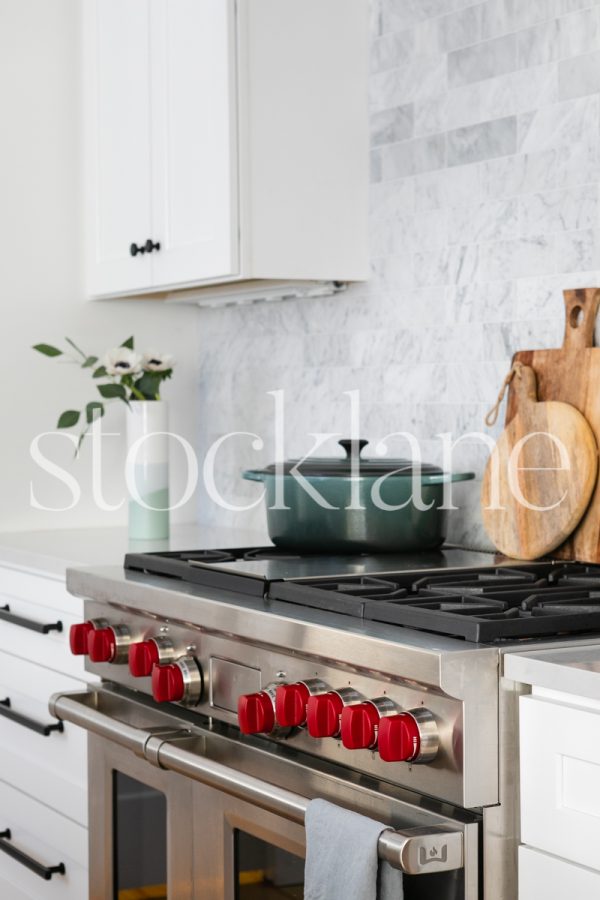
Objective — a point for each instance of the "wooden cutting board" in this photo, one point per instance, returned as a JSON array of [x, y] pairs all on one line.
[[540, 476], [571, 374]]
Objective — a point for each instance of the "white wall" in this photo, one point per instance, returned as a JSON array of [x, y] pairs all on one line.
[[484, 205], [41, 280]]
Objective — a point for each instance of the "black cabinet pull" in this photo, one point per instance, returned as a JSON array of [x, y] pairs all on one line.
[[44, 730], [148, 247], [40, 627], [45, 872]]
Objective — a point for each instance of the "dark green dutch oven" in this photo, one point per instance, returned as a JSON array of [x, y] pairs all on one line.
[[327, 505]]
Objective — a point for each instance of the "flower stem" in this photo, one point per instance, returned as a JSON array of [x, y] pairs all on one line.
[[137, 393]]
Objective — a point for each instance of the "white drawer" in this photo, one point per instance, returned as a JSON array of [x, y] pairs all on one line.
[[545, 877], [51, 649], [560, 779], [50, 839], [53, 768], [39, 589]]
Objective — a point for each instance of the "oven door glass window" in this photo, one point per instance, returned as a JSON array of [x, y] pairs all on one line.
[[266, 872], [140, 840]]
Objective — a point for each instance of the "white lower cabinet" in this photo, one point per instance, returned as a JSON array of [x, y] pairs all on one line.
[[546, 877], [560, 779], [51, 767], [43, 776], [49, 839]]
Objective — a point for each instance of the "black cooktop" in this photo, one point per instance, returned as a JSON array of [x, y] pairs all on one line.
[[462, 593]]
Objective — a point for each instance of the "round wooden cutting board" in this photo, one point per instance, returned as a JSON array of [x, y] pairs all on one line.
[[540, 476]]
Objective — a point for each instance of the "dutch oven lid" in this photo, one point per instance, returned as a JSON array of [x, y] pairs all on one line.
[[332, 466]]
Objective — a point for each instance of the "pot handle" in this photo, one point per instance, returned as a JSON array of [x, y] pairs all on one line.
[[447, 477], [253, 475]]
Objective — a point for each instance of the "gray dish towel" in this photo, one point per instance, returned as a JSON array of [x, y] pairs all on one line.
[[341, 857]]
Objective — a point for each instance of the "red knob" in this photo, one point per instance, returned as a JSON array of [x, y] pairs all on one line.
[[359, 726], [323, 715], [256, 713], [167, 684], [101, 644], [399, 738], [78, 638], [142, 657], [290, 704]]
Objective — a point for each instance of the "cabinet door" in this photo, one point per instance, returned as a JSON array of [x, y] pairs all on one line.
[[560, 779], [117, 144], [545, 877], [194, 164]]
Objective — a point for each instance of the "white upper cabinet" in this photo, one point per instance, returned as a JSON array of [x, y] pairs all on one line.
[[226, 143], [117, 107], [194, 157]]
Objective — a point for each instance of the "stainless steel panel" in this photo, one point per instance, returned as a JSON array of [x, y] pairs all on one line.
[[457, 682], [227, 680]]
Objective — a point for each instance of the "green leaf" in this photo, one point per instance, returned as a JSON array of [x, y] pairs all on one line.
[[75, 347], [94, 410], [90, 361], [128, 343], [149, 384], [100, 372], [47, 350], [69, 418], [108, 391]]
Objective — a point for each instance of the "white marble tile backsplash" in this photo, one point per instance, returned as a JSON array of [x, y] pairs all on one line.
[[484, 206]]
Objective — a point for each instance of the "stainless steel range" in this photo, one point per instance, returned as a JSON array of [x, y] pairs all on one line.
[[239, 684]]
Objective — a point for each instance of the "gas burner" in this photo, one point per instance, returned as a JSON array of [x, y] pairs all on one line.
[[261, 553], [478, 582], [483, 606], [576, 574], [206, 556]]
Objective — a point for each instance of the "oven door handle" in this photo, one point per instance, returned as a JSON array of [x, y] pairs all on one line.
[[414, 850]]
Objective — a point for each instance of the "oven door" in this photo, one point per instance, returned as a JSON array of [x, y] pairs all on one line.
[[185, 810]]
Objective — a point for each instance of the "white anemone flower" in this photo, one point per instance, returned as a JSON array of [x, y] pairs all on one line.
[[157, 362], [122, 361]]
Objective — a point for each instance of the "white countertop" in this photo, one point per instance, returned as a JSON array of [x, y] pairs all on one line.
[[52, 552], [571, 670]]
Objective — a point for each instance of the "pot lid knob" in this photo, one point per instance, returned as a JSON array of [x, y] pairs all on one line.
[[353, 446]]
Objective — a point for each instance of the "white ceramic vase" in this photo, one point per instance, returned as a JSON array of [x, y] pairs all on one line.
[[148, 469]]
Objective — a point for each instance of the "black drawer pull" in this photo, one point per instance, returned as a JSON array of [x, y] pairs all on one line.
[[149, 246], [45, 872], [44, 730], [7, 616]]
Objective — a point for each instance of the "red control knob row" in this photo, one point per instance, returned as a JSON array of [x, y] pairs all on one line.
[[256, 713], [142, 657]]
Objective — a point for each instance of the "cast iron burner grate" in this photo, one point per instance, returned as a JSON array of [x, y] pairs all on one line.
[[195, 566], [484, 606]]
